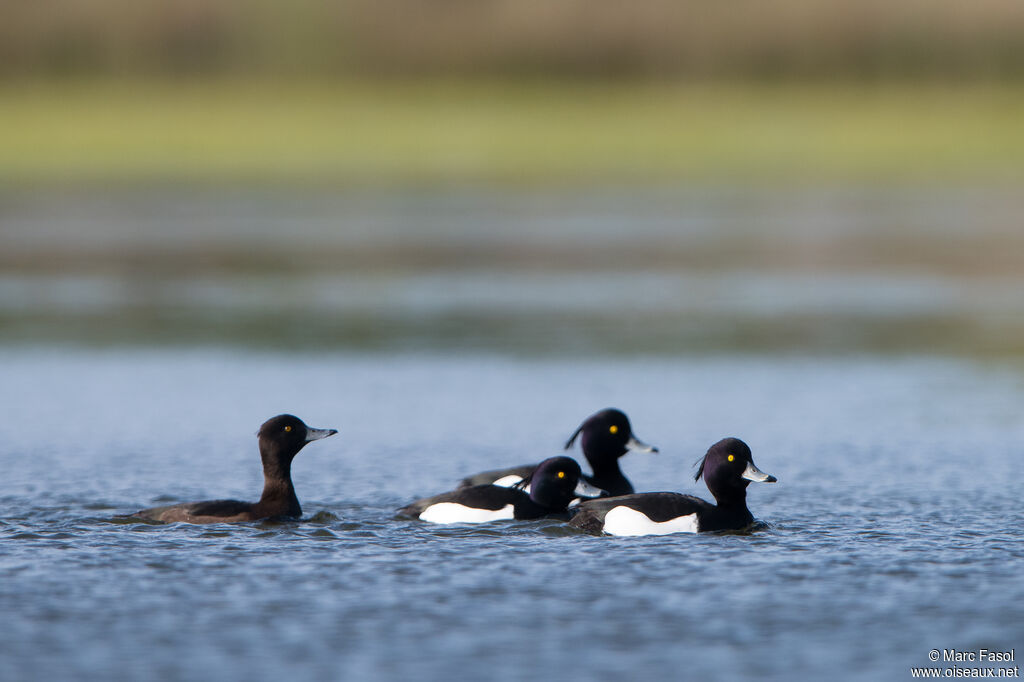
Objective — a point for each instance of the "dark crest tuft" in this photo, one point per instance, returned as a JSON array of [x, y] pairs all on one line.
[[700, 469], [572, 438], [521, 485]]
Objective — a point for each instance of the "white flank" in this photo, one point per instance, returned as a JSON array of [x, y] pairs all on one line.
[[626, 521], [508, 481], [452, 512]]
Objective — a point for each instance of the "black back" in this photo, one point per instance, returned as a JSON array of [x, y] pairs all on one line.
[[485, 477]]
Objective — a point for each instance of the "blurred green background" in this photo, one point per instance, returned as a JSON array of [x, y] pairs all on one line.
[[451, 91], [518, 175]]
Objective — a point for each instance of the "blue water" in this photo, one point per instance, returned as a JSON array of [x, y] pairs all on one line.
[[896, 526]]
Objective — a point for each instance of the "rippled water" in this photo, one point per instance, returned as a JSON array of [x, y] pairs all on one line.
[[895, 528]]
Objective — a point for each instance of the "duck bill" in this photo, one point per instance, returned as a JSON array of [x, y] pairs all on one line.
[[752, 473], [635, 445], [317, 434], [584, 489]]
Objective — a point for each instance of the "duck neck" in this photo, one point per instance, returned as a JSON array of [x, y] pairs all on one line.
[[278, 497], [731, 498], [608, 476], [605, 466], [531, 508]]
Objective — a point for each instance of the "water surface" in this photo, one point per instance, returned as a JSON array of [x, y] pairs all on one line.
[[895, 528]]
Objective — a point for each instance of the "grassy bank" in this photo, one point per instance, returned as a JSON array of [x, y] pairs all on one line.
[[439, 132]]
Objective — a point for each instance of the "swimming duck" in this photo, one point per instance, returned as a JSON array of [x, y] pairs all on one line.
[[604, 437], [280, 439], [727, 468], [553, 484]]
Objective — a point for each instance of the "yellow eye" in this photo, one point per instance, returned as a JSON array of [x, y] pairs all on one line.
[[613, 428], [731, 458], [288, 429], [561, 474]]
